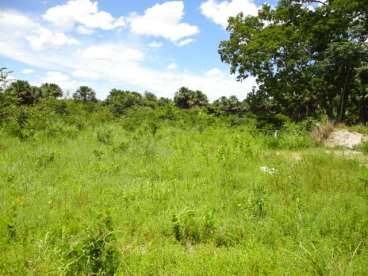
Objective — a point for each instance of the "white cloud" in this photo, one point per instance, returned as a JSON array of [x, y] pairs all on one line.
[[18, 26], [42, 37], [184, 42], [219, 12], [111, 53], [172, 66], [84, 31], [213, 73], [155, 44], [107, 65], [63, 80], [55, 76], [164, 20], [14, 20], [27, 71], [83, 13], [165, 82]]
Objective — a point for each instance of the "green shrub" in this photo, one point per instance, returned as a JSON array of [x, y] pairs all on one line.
[[95, 253], [189, 227], [291, 136], [363, 147]]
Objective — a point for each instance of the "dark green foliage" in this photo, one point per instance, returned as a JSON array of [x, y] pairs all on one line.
[[164, 101], [51, 90], [308, 62], [85, 94], [150, 99], [120, 100], [227, 106], [186, 98], [23, 92]]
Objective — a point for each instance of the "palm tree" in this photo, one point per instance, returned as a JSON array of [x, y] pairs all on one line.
[[186, 98], [51, 90], [23, 92]]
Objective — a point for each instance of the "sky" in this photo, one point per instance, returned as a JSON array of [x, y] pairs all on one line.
[[139, 45]]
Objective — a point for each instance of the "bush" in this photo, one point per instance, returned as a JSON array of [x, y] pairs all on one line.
[[363, 147], [188, 227], [95, 253], [291, 136]]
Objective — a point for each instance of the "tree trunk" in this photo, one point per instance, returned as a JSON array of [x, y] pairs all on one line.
[[344, 97]]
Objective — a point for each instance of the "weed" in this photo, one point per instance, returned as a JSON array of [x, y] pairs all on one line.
[[104, 136], [45, 159], [320, 132], [95, 253], [363, 147]]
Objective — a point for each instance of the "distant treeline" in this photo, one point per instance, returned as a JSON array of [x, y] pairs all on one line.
[[21, 93], [310, 59]]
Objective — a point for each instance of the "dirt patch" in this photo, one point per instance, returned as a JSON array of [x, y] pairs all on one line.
[[344, 138]]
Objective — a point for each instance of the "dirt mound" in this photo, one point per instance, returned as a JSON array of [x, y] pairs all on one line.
[[344, 138]]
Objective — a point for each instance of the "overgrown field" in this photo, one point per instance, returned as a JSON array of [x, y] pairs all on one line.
[[171, 199]]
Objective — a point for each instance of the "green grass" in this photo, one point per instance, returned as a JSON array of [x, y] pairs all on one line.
[[180, 202]]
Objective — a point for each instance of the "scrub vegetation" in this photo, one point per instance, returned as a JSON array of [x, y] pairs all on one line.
[[167, 191], [140, 185]]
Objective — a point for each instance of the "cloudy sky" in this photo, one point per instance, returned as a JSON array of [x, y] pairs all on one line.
[[141, 45]]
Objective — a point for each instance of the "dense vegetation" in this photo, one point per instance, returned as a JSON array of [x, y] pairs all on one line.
[[170, 191], [140, 185], [309, 57]]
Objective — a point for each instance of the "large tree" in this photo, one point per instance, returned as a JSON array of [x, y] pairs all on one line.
[[306, 55]]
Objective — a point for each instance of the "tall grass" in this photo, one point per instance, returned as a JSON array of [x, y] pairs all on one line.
[[168, 199]]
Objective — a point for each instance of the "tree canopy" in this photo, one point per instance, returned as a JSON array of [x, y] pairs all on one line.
[[186, 98], [308, 56], [85, 94], [51, 90]]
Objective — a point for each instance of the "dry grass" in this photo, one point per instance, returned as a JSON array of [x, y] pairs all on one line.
[[322, 131]]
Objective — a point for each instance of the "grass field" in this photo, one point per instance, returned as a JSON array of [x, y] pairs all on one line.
[[174, 201]]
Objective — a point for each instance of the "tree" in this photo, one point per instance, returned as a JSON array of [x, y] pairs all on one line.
[[85, 94], [186, 98], [150, 99], [297, 54], [4, 78], [121, 100], [23, 92], [162, 101], [227, 106], [51, 90], [7, 102]]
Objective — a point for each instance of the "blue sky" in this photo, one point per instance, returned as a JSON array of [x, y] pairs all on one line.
[[143, 45]]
